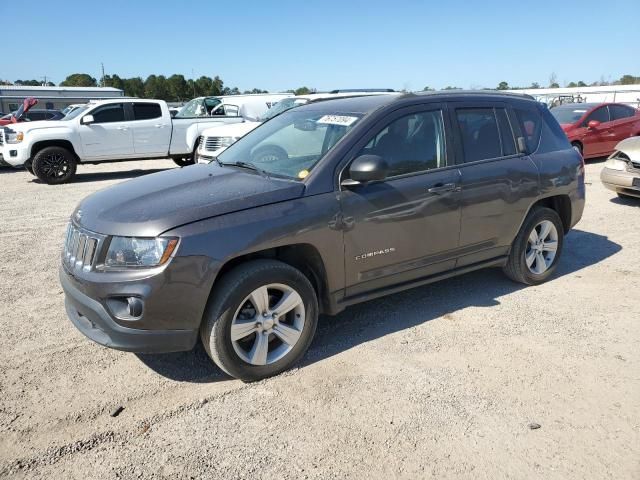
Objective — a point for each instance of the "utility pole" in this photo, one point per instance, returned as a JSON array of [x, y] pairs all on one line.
[[102, 65], [44, 81], [193, 83]]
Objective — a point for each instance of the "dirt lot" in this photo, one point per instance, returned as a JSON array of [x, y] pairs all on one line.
[[441, 381]]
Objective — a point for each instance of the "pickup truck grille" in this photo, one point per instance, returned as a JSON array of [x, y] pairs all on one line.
[[1, 136], [211, 144], [80, 248]]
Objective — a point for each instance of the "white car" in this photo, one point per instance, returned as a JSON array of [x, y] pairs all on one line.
[[216, 139], [116, 129]]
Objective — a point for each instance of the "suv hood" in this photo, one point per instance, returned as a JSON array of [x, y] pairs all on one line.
[[150, 205]]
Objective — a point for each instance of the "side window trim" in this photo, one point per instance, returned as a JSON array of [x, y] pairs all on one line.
[[390, 117], [132, 112]]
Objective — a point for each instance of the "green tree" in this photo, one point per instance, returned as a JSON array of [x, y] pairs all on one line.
[[204, 86], [178, 88], [79, 80], [156, 86], [572, 85], [503, 86], [628, 80], [302, 91], [114, 81], [427, 89], [449, 87], [217, 86], [535, 85], [133, 87], [581, 84], [28, 83]]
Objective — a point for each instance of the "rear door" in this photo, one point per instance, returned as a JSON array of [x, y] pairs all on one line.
[[109, 136], [151, 131], [497, 181], [406, 226]]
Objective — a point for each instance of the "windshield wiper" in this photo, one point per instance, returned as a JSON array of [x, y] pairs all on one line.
[[247, 165]]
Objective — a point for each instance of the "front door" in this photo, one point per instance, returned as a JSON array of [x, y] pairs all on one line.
[[109, 135], [596, 140], [405, 227]]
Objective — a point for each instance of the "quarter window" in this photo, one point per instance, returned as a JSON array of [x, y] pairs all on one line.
[[113, 112], [146, 111], [621, 111], [531, 124], [479, 132], [600, 114], [412, 143]]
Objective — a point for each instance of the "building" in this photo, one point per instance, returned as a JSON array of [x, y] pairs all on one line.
[[11, 96], [629, 94]]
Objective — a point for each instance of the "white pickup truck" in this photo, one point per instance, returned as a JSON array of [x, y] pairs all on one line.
[[119, 129]]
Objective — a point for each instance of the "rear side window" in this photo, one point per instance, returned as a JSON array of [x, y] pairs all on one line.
[[113, 112], [531, 124], [146, 111], [479, 133], [621, 111]]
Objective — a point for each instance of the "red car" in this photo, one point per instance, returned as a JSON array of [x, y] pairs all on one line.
[[17, 115], [596, 128]]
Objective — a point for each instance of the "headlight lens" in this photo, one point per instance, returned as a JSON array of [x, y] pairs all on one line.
[[13, 137], [616, 164], [126, 252], [227, 141]]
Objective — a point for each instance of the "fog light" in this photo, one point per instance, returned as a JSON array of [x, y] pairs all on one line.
[[13, 153], [126, 308], [135, 307]]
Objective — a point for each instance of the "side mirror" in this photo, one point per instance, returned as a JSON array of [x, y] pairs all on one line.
[[87, 120], [593, 124], [367, 168], [173, 113]]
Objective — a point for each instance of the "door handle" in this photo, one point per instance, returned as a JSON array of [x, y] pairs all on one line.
[[123, 128], [159, 125], [442, 188]]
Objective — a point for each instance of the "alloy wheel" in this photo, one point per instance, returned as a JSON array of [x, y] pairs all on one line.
[[55, 165], [542, 246]]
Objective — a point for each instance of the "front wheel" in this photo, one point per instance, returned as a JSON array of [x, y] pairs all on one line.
[[537, 248], [54, 165], [260, 320], [184, 162]]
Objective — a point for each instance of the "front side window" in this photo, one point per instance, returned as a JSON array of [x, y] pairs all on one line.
[[413, 143], [146, 111], [479, 132], [113, 112], [600, 115], [291, 144], [621, 111]]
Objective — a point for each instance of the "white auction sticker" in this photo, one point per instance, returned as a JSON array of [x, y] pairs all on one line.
[[342, 120]]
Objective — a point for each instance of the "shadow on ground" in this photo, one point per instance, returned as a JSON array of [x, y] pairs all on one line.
[[627, 201], [377, 318], [103, 176]]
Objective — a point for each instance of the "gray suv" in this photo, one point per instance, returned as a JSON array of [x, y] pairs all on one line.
[[359, 198]]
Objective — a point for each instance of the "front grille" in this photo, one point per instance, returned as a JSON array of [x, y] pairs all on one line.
[[1, 136], [80, 248], [211, 144]]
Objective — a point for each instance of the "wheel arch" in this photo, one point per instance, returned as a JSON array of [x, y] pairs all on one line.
[[302, 256], [561, 204], [42, 144]]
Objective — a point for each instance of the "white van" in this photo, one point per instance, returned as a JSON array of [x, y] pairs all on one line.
[[218, 137]]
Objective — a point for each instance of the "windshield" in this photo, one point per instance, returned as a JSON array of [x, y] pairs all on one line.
[[198, 107], [291, 144], [282, 106], [74, 113], [568, 115]]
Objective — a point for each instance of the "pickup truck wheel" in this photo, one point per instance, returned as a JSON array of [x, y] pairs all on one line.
[[260, 319], [183, 162], [54, 165], [537, 248], [29, 168]]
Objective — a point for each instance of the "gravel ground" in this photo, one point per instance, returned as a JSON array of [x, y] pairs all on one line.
[[443, 381]]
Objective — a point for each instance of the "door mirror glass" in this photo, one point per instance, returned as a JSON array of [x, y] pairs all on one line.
[[368, 168], [593, 124], [87, 120]]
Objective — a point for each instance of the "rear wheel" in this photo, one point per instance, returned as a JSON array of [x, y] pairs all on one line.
[[578, 147], [260, 320], [54, 165], [537, 248]]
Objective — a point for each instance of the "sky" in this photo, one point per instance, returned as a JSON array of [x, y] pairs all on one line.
[[280, 44]]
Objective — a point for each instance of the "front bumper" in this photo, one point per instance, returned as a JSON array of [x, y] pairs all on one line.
[[205, 159], [13, 155], [621, 181], [94, 321]]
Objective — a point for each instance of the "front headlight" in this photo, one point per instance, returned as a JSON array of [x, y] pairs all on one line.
[[615, 164], [13, 137], [126, 252], [227, 141]]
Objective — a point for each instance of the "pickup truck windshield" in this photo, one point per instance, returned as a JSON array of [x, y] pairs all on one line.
[[198, 107], [291, 144]]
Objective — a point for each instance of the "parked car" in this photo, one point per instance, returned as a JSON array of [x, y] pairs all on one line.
[[382, 194], [105, 130], [214, 139], [35, 115], [16, 116], [70, 108], [621, 172], [594, 129]]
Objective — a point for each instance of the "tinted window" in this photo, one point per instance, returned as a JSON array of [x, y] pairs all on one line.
[[480, 135], [530, 124], [146, 111], [600, 114], [412, 143], [621, 111], [109, 113], [553, 137], [506, 133]]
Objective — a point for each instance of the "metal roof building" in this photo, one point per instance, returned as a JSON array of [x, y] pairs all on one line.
[[11, 96]]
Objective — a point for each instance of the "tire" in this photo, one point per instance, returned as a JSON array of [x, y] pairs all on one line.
[[230, 306], [518, 267], [29, 168], [54, 165], [269, 153], [184, 162], [578, 147]]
